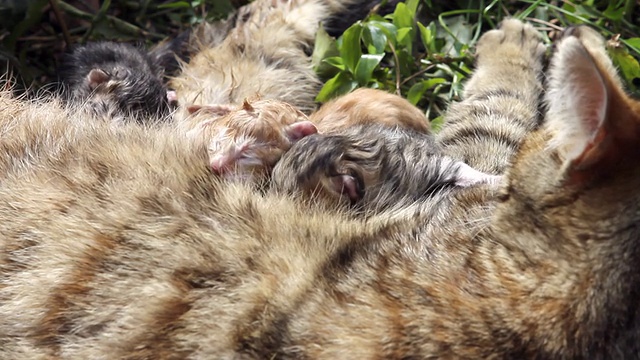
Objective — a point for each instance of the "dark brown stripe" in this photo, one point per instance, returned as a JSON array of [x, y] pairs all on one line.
[[56, 322], [157, 342], [500, 93], [480, 135]]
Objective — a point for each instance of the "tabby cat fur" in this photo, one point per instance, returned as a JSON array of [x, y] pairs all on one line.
[[116, 242], [265, 54]]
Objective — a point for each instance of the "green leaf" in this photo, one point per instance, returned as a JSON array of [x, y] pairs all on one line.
[[627, 64], [436, 124], [324, 48], [634, 42], [340, 84], [427, 38], [365, 67], [336, 62], [175, 5], [458, 32], [374, 39], [402, 16], [404, 36], [412, 5], [389, 30], [350, 49], [418, 89], [614, 11]]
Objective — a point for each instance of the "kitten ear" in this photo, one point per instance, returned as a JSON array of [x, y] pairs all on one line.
[[96, 77], [216, 110], [578, 101], [468, 176], [349, 186], [172, 97], [299, 130]]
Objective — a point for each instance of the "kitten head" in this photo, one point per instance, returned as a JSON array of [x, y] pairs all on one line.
[[115, 75], [370, 166], [251, 138]]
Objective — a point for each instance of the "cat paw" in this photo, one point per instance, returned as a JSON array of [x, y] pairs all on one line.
[[513, 40]]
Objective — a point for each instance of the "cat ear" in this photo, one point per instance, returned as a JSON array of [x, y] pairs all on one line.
[[468, 176], [578, 101], [299, 130], [96, 77], [348, 186]]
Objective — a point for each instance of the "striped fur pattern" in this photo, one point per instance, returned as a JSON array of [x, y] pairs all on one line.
[[265, 54], [116, 242], [371, 168]]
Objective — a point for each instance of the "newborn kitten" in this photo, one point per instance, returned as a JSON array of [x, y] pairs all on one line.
[[371, 167], [369, 106], [247, 141], [115, 80]]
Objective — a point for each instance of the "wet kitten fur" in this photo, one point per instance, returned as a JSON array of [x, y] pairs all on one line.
[[248, 141], [374, 151], [115, 80], [372, 167], [116, 242]]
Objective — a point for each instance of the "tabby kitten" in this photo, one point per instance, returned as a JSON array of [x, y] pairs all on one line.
[[375, 151], [117, 243], [371, 167]]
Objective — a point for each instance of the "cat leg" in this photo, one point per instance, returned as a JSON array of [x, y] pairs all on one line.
[[501, 100]]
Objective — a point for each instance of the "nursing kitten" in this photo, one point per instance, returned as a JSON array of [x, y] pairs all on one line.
[[374, 152], [247, 142], [115, 242], [372, 167], [369, 106], [115, 80]]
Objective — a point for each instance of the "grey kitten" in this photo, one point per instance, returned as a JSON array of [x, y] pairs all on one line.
[[115, 79], [372, 167]]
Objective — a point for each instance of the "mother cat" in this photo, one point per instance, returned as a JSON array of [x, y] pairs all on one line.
[[118, 243]]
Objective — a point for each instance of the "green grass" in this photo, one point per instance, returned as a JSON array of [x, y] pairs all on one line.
[[422, 51], [427, 60]]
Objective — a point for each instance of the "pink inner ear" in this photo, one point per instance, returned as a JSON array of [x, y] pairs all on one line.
[[347, 185], [172, 96], [299, 130], [193, 108], [96, 77]]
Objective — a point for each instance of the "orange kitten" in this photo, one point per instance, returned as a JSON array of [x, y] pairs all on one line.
[[369, 106], [249, 140]]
